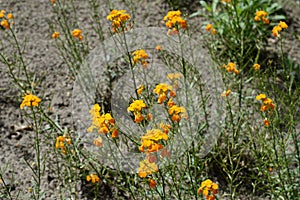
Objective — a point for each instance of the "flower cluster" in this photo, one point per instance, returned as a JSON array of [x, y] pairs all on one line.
[[6, 22], [136, 108], [209, 189], [267, 103], [150, 140], [210, 28], [140, 56], [231, 67], [104, 123], [93, 177], [177, 112], [276, 29], [77, 33], [118, 19], [30, 100], [261, 15], [163, 90], [61, 141], [147, 168], [173, 20]]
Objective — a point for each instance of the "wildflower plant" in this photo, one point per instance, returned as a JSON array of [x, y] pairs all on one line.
[[158, 136]]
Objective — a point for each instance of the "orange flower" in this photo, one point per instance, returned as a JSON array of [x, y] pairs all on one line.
[[226, 93], [146, 168], [277, 29], [92, 177], [152, 183], [208, 27], [10, 16], [231, 67], [256, 66], [5, 24], [158, 48], [209, 189], [55, 35], [173, 20], [77, 33], [266, 122], [30, 100]]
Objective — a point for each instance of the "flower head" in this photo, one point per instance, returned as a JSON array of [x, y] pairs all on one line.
[[177, 113], [226, 93], [55, 35], [5, 24], [173, 20], [104, 123], [61, 141], [209, 189], [30, 100], [277, 29], [118, 19], [256, 66], [140, 56], [2, 13], [231, 67], [77, 33], [163, 90], [267, 103], [93, 178], [146, 168]]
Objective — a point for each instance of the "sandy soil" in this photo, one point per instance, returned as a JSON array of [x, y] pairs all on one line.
[[31, 22]]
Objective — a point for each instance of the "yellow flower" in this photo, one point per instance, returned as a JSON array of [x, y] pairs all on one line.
[[208, 27], [226, 1], [173, 20], [283, 24], [256, 66], [158, 48], [2, 13], [140, 89], [30, 100], [5, 24], [137, 105], [209, 189], [277, 29], [118, 18], [177, 112], [261, 15], [140, 56], [231, 67], [61, 141], [162, 90], [267, 103], [226, 93], [104, 123], [77, 33], [146, 168], [10, 16], [55, 35], [214, 31], [92, 177], [261, 97]]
